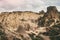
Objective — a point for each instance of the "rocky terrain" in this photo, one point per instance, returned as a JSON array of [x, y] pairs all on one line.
[[28, 25]]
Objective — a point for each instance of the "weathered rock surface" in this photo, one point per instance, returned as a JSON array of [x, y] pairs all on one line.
[[27, 25]]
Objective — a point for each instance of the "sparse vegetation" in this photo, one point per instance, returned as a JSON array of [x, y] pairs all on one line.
[[30, 25]]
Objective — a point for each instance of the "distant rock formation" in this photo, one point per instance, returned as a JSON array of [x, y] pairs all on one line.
[[41, 13], [51, 16], [52, 12]]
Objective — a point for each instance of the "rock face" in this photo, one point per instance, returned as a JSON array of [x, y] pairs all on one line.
[[27, 25], [52, 12], [51, 16], [19, 23]]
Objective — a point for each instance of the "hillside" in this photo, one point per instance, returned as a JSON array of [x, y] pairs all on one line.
[[28, 25]]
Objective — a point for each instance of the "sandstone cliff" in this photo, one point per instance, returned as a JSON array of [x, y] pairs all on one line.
[[27, 25]]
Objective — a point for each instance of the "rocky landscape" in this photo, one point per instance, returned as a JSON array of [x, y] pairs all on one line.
[[28, 25]]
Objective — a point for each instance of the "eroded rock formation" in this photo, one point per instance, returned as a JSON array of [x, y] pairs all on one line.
[[27, 25]]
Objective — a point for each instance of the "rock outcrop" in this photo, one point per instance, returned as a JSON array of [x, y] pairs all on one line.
[[52, 12], [50, 17], [27, 25]]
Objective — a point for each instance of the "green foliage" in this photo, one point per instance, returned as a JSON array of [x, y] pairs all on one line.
[[2, 35], [34, 37], [55, 38]]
